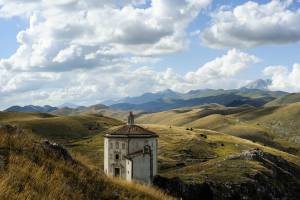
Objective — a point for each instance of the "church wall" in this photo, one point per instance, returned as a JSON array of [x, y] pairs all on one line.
[[141, 168], [128, 170], [138, 144], [114, 151]]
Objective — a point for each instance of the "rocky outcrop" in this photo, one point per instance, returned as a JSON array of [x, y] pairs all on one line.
[[279, 181], [179, 189], [10, 129], [56, 150]]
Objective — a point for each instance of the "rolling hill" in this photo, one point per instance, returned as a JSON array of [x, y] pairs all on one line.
[[273, 126], [223, 99], [284, 100], [192, 162], [30, 169], [220, 166], [59, 127]]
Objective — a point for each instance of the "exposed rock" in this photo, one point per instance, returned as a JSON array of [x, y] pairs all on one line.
[[57, 150], [179, 189], [279, 181], [10, 128]]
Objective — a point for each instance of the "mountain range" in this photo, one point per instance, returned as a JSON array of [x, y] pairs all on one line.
[[32, 108], [253, 94]]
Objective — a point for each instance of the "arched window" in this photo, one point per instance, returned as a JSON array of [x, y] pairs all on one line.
[[117, 156]]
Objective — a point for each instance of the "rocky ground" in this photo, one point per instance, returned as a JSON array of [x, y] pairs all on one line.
[[279, 180]]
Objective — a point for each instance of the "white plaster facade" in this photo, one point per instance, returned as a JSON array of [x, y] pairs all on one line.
[[131, 153]]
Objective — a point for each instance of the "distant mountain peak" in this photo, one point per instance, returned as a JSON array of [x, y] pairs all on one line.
[[145, 98], [259, 84], [31, 108], [68, 105]]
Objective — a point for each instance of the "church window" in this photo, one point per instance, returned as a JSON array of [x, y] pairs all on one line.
[[117, 156]]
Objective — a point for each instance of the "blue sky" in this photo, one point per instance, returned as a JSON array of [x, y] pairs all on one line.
[[86, 51]]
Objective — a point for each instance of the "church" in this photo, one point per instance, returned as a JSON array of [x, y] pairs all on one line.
[[130, 152]]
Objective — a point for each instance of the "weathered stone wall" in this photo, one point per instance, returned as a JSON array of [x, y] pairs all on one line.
[[112, 148], [140, 164]]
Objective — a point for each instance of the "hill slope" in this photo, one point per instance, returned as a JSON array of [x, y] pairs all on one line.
[[273, 126], [287, 99], [191, 163], [203, 157], [223, 99], [59, 127], [221, 166], [41, 170]]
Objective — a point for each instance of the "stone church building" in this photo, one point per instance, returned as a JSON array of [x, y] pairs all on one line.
[[130, 152]]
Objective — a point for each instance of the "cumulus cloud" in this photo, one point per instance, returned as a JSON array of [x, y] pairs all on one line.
[[253, 24], [88, 51], [72, 34], [283, 78], [98, 84], [222, 68]]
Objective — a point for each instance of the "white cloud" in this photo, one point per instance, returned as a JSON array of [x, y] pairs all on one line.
[[72, 34], [253, 24], [92, 86], [283, 78], [83, 51], [222, 68]]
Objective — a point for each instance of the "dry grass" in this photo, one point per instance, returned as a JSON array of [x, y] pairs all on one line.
[[178, 145], [142, 188], [32, 173], [277, 127]]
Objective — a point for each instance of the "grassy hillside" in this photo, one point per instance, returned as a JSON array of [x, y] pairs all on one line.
[[273, 126], [30, 169], [60, 127], [284, 100], [202, 156], [226, 164], [67, 130], [95, 109], [229, 167]]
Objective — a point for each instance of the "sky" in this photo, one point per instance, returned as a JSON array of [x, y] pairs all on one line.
[[89, 51]]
